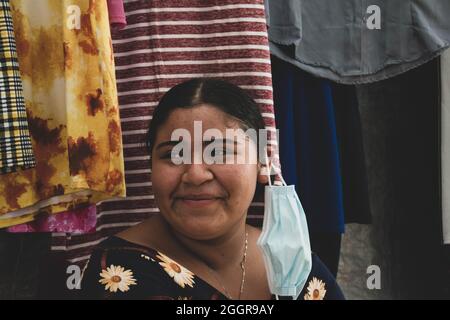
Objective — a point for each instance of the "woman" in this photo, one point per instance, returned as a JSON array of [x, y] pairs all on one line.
[[200, 246]]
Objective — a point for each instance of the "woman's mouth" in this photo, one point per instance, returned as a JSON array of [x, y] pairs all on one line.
[[197, 201]]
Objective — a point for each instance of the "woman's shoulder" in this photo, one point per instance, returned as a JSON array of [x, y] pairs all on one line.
[[116, 250], [119, 269], [118, 243], [321, 284]]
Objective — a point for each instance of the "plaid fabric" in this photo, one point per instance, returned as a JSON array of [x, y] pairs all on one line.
[[15, 142]]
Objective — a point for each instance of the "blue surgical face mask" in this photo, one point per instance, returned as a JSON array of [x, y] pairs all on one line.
[[284, 241]]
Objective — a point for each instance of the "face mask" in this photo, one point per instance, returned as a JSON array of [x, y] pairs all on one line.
[[284, 241]]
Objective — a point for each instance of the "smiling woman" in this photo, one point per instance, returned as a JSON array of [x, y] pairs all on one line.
[[203, 201], [200, 246]]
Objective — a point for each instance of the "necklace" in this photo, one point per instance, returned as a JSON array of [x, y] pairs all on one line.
[[244, 259], [215, 274]]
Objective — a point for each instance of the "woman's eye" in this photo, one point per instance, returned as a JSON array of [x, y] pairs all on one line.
[[176, 157], [219, 152], [166, 155], [223, 153], [169, 155]]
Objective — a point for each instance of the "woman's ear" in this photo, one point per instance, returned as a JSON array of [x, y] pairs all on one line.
[[263, 172]]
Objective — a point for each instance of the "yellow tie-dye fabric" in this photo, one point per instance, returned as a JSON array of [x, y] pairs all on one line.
[[67, 68]]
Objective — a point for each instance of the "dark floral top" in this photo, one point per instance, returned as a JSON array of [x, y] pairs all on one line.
[[119, 269]]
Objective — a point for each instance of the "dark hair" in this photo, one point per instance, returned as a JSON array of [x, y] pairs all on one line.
[[227, 97]]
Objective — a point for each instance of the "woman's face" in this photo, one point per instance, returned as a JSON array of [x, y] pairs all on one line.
[[199, 200]]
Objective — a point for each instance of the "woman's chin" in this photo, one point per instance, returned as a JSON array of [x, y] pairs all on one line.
[[200, 228]]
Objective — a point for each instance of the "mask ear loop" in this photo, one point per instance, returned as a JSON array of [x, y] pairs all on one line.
[[269, 168], [282, 180]]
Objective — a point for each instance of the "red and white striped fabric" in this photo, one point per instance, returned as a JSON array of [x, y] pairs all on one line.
[[167, 42]]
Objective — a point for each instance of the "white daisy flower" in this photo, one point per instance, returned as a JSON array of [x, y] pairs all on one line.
[[145, 257], [116, 277], [180, 274], [316, 290]]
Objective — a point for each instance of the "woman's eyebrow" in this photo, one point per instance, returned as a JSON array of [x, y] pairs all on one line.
[[167, 143], [175, 142], [223, 141]]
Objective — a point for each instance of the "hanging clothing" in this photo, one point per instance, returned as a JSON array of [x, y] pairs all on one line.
[[358, 41], [16, 151], [351, 155], [445, 143], [72, 109], [310, 154], [148, 274], [309, 151], [401, 124], [82, 220], [165, 43], [116, 14], [328, 245], [79, 221], [24, 261]]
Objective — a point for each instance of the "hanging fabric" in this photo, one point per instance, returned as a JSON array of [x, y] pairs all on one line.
[[165, 43], [81, 220], [116, 13], [351, 154], [309, 154], [445, 143], [16, 151], [72, 109], [401, 135], [23, 265], [309, 150], [358, 41]]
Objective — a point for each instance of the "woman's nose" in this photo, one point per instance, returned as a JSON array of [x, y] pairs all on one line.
[[196, 174]]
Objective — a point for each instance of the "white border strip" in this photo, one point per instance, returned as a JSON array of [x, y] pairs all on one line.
[[192, 36], [195, 75], [196, 9], [192, 49], [191, 62]]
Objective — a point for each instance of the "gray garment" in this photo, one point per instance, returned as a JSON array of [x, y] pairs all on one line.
[[400, 123], [332, 38]]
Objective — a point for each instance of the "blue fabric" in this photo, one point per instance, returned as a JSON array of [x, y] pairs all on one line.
[[309, 152]]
